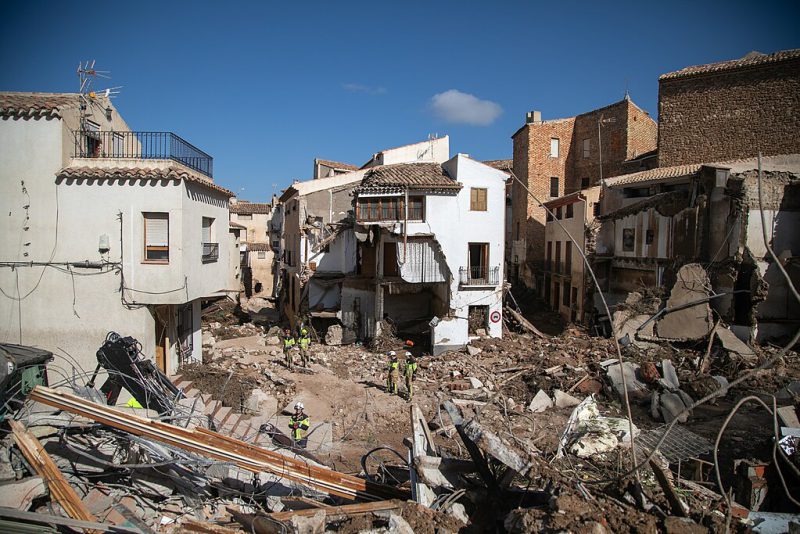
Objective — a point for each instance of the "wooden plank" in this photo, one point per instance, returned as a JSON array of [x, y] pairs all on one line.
[[677, 506], [223, 448], [335, 511], [527, 325], [45, 467]]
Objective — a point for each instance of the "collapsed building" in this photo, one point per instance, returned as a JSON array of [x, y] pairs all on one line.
[[414, 239], [659, 220]]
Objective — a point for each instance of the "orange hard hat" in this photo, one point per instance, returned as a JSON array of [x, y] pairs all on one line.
[[409, 343]]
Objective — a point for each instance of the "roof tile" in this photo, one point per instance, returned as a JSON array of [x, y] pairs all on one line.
[[408, 175], [35, 105], [172, 172], [251, 207], [750, 60]]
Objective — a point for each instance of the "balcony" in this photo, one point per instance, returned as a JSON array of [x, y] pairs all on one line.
[[142, 145], [479, 276], [210, 252]]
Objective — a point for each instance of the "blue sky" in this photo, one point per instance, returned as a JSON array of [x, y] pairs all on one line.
[[265, 87]]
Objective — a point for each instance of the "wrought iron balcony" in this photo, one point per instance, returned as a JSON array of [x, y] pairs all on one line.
[[142, 145], [479, 276], [210, 252]]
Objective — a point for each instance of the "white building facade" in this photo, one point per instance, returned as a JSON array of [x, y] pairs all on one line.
[[108, 230]]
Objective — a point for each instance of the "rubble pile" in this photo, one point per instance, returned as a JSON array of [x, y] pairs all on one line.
[[525, 433]]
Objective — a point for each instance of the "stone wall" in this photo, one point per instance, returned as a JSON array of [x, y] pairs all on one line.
[[732, 114]]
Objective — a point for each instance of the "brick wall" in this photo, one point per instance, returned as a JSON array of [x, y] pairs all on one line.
[[730, 115], [629, 133]]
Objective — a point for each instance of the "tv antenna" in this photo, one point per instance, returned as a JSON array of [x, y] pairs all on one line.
[[87, 94]]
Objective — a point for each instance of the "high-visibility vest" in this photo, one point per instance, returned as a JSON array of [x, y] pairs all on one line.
[[392, 366], [288, 342], [304, 342], [303, 424], [411, 367]]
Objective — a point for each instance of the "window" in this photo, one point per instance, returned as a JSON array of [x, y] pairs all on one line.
[[648, 237], [568, 257], [584, 183], [628, 239], [517, 230], [549, 215], [558, 213], [245, 216], [156, 237], [210, 248], [478, 261], [596, 209], [549, 254], [558, 256], [372, 209], [262, 254], [276, 244], [586, 148], [570, 211], [554, 187], [477, 199], [565, 295], [554, 147]]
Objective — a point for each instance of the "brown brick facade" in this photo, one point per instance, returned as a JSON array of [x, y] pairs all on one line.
[[729, 113], [626, 133]]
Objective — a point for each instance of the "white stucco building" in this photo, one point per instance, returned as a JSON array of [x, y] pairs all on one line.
[[431, 246], [106, 230]]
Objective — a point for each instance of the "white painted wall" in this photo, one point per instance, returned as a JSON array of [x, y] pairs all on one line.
[[454, 226], [433, 150]]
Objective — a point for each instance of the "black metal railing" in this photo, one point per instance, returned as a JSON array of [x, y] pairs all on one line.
[[210, 252], [142, 145], [479, 276]]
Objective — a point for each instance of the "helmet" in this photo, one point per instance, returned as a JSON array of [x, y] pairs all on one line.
[[408, 354], [303, 331], [287, 331], [299, 406], [392, 353], [409, 343]]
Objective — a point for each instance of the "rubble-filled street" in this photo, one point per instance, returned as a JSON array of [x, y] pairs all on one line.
[[527, 433], [564, 299]]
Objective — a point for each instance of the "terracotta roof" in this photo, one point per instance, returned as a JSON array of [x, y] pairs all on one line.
[[258, 246], [35, 105], [659, 173], [336, 164], [236, 225], [172, 172], [408, 175], [500, 164], [750, 60], [251, 207]]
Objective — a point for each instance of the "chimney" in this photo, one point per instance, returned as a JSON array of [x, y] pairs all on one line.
[[533, 117]]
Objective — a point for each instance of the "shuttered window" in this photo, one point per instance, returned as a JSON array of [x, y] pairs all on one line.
[[208, 222], [156, 237], [477, 199]]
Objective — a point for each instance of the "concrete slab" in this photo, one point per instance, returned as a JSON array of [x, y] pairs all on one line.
[[734, 345], [20, 494], [540, 402], [691, 323]]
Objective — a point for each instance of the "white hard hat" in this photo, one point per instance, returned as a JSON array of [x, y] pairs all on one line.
[[392, 353], [299, 406], [408, 354]]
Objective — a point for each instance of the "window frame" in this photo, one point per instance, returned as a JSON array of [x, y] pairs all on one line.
[[375, 210], [587, 148], [555, 142], [156, 248], [475, 201], [554, 181]]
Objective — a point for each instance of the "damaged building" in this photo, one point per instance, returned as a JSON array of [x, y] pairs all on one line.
[[319, 249], [656, 221], [430, 250]]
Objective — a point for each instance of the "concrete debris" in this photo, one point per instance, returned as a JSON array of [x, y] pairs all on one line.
[[540, 402], [635, 386], [736, 347], [564, 400], [334, 335], [692, 322], [21, 493], [588, 433], [473, 351]]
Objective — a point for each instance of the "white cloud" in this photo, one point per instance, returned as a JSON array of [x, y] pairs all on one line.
[[366, 89], [463, 108]]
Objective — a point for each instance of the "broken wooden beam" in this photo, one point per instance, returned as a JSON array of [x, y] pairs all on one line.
[[339, 511], [218, 447], [677, 506], [521, 461], [475, 453], [45, 467], [524, 323]]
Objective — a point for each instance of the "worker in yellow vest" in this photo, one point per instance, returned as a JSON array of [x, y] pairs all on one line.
[[298, 425], [394, 373], [288, 347], [410, 373], [303, 342]]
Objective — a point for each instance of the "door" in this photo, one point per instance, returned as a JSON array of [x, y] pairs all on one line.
[[161, 341], [390, 260], [479, 261]]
